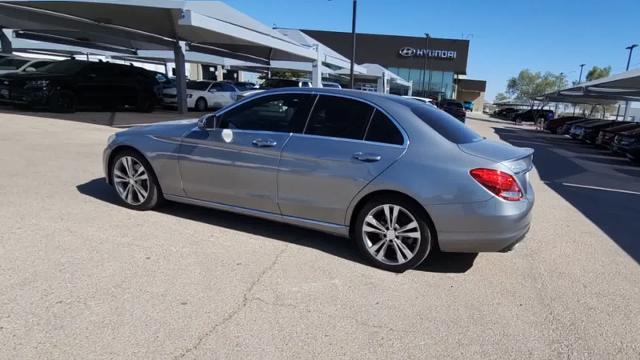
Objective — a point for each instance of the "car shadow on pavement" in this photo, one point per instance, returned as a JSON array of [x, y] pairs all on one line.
[[105, 118], [438, 262], [566, 167]]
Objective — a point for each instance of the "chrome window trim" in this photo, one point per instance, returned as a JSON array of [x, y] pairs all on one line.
[[318, 93], [376, 108]]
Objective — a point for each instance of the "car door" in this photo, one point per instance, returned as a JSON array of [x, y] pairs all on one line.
[[237, 162], [345, 145], [220, 95]]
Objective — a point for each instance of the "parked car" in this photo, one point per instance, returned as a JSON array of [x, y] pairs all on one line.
[[566, 128], [505, 113], [331, 85], [244, 85], [554, 125], [606, 136], [18, 64], [455, 109], [590, 133], [628, 143], [468, 105], [64, 86], [533, 115], [345, 162], [579, 131], [418, 98], [204, 94], [275, 83]]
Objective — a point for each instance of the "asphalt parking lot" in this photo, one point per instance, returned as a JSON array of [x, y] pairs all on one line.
[[82, 277]]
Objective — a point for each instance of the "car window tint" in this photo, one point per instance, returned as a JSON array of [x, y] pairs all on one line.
[[339, 117], [446, 125], [383, 130], [279, 113], [198, 85], [226, 87], [39, 64]]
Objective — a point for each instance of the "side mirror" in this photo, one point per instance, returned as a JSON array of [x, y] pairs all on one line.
[[30, 69], [208, 122]]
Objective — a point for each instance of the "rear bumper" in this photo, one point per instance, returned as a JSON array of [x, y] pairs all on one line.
[[494, 225]]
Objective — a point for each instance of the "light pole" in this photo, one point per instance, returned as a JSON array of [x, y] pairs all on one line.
[[426, 63], [630, 48], [579, 80], [580, 77], [353, 42], [626, 103]]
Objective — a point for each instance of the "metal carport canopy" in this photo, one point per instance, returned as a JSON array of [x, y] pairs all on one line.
[[211, 27], [620, 87]]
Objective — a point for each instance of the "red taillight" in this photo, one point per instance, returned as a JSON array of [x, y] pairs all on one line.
[[500, 183]]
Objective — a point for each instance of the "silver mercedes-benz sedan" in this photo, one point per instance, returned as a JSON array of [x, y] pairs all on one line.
[[399, 177]]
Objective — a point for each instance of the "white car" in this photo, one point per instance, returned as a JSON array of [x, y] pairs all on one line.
[[204, 94], [18, 64], [421, 99]]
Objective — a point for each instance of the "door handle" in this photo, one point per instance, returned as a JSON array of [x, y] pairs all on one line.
[[367, 157], [264, 143]]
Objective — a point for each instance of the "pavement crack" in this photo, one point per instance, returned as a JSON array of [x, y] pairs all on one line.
[[245, 301]]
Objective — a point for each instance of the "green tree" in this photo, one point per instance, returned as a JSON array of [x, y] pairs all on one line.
[[597, 72], [529, 85], [500, 97]]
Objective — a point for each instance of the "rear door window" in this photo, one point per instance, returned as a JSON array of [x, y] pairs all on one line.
[[446, 125], [339, 117], [383, 130]]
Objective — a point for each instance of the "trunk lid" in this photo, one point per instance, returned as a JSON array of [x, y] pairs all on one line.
[[517, 159]]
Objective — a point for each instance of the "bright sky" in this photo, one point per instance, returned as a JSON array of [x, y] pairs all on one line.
[[506, 36]]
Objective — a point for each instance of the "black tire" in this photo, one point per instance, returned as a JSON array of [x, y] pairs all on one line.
[[420, 253], [145, 104], [201, 105], [154, 196], [63, 101]]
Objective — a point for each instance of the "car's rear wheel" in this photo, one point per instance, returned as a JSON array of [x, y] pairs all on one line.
[[62, 101], [134, 181], [393, 234], [145, 104], [201, 104]]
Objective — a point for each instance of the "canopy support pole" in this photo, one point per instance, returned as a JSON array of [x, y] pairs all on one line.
[[316, 68], [626, 110], [181, 77], [5, 43]]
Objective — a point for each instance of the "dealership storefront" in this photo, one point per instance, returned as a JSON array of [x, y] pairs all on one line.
[[432, 64]]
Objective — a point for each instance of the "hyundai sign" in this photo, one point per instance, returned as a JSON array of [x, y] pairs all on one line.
[[441, 54]]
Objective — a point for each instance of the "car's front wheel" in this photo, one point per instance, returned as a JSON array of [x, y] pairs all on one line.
[[393, 234], [134, 181], [201, 105]]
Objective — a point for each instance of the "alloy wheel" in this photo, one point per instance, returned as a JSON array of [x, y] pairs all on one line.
[[391, 234], [131, 180]]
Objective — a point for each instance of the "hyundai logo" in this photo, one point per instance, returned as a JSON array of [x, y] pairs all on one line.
[[407, 51]]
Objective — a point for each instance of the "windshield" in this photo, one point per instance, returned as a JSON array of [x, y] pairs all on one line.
[[198, 85], [63, 67], [12, 63], [446, 125], [278, 83]]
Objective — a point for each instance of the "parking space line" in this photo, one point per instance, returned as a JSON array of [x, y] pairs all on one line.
[[602, 188]]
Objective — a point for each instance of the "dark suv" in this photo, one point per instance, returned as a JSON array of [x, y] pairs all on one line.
[[532, 115], [67, 85], [455, 109]]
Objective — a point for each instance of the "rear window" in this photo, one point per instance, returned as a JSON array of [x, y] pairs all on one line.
[[446, 125], [278, 83], [198, 85], [454, 104], [12, 64]]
